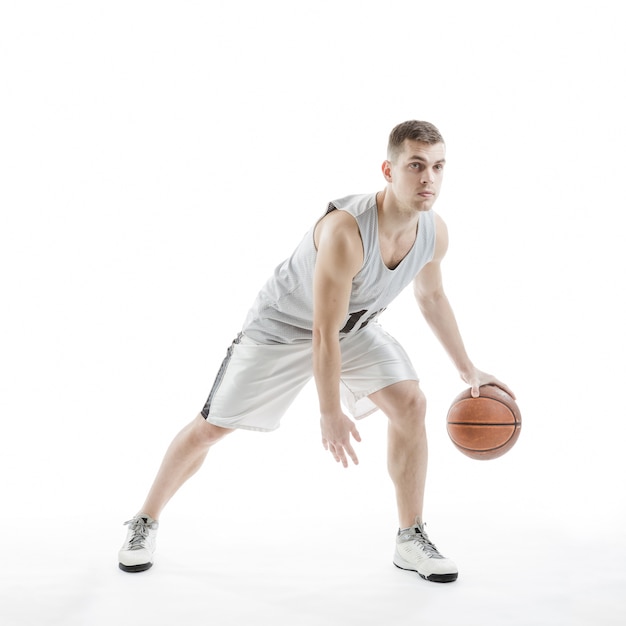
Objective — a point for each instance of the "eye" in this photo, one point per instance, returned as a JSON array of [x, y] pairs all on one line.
[[415, 166], [439, 166]]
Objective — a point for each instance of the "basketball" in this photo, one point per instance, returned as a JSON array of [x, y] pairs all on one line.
[[485, 427]]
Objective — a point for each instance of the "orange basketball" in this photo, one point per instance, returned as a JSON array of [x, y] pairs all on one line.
[[485, 427]]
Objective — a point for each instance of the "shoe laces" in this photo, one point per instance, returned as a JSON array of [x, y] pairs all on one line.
[[418, 535], [140, 527]]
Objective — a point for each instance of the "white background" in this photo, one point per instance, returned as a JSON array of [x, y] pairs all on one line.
[[158, 159]]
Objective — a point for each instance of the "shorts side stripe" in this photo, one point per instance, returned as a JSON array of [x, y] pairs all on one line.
[[220, 376]]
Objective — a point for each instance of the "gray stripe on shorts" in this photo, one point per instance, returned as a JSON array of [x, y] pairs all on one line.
[[220, 376]]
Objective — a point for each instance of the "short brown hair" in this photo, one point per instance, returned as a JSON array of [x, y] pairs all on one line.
[[415, 131]]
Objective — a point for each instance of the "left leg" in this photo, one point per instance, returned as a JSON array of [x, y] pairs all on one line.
[[404, 404]]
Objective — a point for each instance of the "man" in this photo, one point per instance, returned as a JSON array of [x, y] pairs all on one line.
[[316, 316]]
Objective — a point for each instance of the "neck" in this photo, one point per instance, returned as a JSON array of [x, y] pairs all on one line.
[[392, 217]]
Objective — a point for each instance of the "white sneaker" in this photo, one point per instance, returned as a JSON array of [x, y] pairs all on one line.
[[416, 552], [136, 553]]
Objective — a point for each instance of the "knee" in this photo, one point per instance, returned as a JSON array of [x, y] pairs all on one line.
[[206, 434], [409, 408]]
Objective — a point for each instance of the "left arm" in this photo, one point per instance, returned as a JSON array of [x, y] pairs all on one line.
[[436, 309]]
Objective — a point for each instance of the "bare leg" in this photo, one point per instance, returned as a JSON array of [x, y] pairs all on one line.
[[407, 452], [182, 460]]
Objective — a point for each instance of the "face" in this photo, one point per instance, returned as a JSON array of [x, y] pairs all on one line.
[[414, 177]]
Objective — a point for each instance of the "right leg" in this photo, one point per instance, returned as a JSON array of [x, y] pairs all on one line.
[[254, 387], [183, 459]]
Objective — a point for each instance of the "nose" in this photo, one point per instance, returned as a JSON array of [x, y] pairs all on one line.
[[428, 176]]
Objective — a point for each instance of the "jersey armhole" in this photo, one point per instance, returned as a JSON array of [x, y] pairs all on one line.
[[331, 208]]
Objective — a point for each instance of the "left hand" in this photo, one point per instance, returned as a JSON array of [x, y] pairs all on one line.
[[336, 431], [476, 379]]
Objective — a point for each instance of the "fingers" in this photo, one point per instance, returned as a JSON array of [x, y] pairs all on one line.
[[331, 448], [475, 391], [351, 454], [336, 432], [342, 451], [339, 453], [505, 388], [501, 385]]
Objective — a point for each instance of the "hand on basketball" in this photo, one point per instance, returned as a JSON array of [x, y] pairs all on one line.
[[477, 379], [336, 431]]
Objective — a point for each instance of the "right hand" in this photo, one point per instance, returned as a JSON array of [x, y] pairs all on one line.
[[336, 431]]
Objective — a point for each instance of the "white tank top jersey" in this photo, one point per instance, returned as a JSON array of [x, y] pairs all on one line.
[[283, 310]]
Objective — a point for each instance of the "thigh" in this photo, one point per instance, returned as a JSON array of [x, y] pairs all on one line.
[[257, 383], [372, 360]]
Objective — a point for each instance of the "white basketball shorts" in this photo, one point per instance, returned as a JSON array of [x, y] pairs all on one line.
[[258, 382]]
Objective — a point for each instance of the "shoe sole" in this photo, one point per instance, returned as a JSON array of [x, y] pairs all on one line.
[[133, 569], [433, 578]]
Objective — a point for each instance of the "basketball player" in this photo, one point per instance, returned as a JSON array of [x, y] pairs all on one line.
[[317, 317]]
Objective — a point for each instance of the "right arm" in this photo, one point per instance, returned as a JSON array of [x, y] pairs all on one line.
[[339, 258]]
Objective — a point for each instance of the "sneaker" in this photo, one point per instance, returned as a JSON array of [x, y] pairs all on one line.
[[136, 553], [416, 552]]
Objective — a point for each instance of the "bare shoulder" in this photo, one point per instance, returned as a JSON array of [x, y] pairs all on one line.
[[337, 238], [337, 227]]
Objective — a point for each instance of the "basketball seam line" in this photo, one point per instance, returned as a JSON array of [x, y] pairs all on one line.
[[486, 424]]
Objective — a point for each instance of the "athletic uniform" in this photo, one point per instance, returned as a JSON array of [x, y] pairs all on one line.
[[270, 361]]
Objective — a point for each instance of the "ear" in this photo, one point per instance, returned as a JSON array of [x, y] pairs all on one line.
[[386, 168]]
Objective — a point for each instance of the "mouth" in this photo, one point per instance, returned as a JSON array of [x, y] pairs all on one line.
[[426, 194]]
